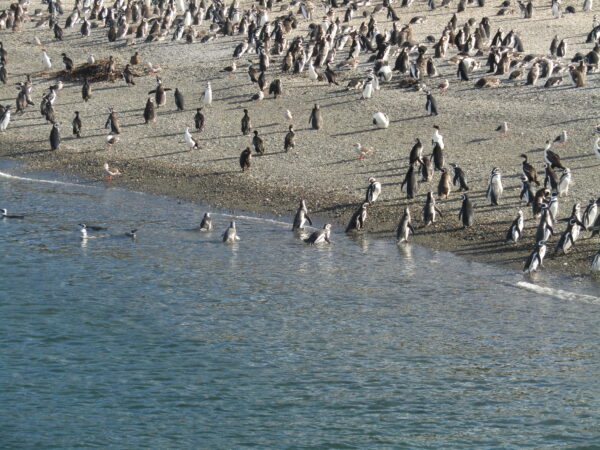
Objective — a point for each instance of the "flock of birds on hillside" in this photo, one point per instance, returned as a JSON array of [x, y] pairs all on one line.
[[392, 56]]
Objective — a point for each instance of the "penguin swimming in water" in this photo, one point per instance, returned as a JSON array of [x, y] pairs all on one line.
[[4, 215], [536, 258], [316, 120], [246, 123], [430, 104], [149, 111], [320, 236], [230, 236], [459, 178], [405, 227], [206, 224], [373, 191], [301, 217], [246, 159], [495, 189], [430, 210], [358, 219], [55, 137], [410, 182], [466, 211], [77, 125], [515, 231]]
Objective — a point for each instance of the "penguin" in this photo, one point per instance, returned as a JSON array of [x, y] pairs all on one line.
[[246, 123], [77, 125], [331, 76], [160, 93], [207, 98], [515, 231], [4, 215], [112, 122], [46, 63], [576, 217], [191, 142], [415, 152], [551, 157], [566, 240], [597, 148], [459, 178], [462, 71], [257, 142], [526, 193], [301, 217], [529, 171], [444, 186], [290, 139], [320, 236], [367, 91], [55, 137], [437, 156], [466, 211], [495, 189], [430, 210], [553, 205], [128, 76], [246, 159], [405, 227], [536, 258], [199, 120], [410, 182], [68, 62], [86, 90], [545, 228], [550, 177], [533, 75], [179, 100], [373, 191], [381, 120], [316, 120], [230, 236], [563, 184], [430, 104], [5, 118], [590, 214], [539, 202], [595, 267], [358, 219], [426, 168], [276, 88], [3, 73], [150, 111], [437, 137], [206, 224]]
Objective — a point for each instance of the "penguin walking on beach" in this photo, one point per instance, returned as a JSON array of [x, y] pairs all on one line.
[[199, 120], [595, 266], [112, 123], [373, 191], [230, 236], [5, 118], [466, 211], [564, 182], [459, 178], [86, 90], [430, 104], [207, 97], [77, 125], [410, 182], [206, 224], [150, 111], [190, 141], [128, 76], [495, 188], [179, 100], [246, 159], [257, 142], [430, 210], [405, 227], [545, 228], [246, 124], [358, 219], [301, 217], [536, 258], [566, 240], [316, 120], [160, 93], [415, 152], [381, 120], [290, 139], [529, 171], [444, 185], [320, 236], [515, 231], [426, 169], [55, 137], [590, 214], [437, 156]]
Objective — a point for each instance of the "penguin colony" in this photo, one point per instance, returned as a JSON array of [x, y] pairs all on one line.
[[361, 47]]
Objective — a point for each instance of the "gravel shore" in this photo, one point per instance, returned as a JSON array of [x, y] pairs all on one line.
[[323, 168]]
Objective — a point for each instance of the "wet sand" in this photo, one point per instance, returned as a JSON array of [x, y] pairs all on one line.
[[323, 168]]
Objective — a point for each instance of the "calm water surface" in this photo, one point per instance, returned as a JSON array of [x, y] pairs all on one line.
[[177, 340]]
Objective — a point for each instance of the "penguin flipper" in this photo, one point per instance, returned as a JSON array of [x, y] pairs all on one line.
[[308, 218], [153, 91], [411, 228], [438, 211]]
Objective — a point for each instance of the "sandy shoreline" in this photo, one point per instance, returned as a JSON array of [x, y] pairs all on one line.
[[323, 169]]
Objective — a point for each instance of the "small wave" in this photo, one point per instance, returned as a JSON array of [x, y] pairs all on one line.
[[557, 293], [258, 219], [35, 180]]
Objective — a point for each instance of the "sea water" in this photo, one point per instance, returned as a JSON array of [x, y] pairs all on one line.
[[175, 339]]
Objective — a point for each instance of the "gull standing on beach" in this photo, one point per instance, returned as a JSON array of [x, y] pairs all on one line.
[[207, 97], [110, 173], [46, 63], [190, 141], [503, 129]]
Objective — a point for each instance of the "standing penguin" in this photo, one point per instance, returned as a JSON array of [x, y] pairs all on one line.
[[410, 182], [466, 211], [179, 101], [534, 262], [515, 231], [149, 111], [405, 227], [495, 189], [437, 155], [529, 171], [566, 240], [415, 152], [112, 122], [128, 76], [246, 123], [358, 219], [444, 186], [564, 182], [367, 91], [77, 125], [290, 139], [160, 93], [86, 90], [230, 236], [426, 169], [246, 159], [206, 224], [301, 217], [257, 142], [526, 193], [430, 210], [207, 98], [430, 104], [590, 214], [199, 120], [55, 137], [5, 118], [316, 120], [373, 191], [459, 178]]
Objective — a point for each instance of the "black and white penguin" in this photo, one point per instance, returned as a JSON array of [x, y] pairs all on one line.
[[4, 215], [515, 231], [495, 188], [206, 224], [373, 191], [276, 88], [5, 118], [290, 139], [415, 152], [246, 123], [381, 120], [320, 236], [86, 91], [430, 104], [257, 142], [112, 123], [230, 236], [564, 182], [526, 193], [430, 210], [444, 186], [149, 111], [179, 100], [595, 267], [462, 70], [55, 137], [566, 240], [410, 182], [466, 211], [246, 159], [358, 219], [590, 214], [539, 202], [529, 171], [437, 155], [459, 178], [405, 227], [536, 258], [316, 120], [550, 177], [426, 168], [77, 125], [160, 93], [301, 217], [545, 228], [128, 75], [199, 120]]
